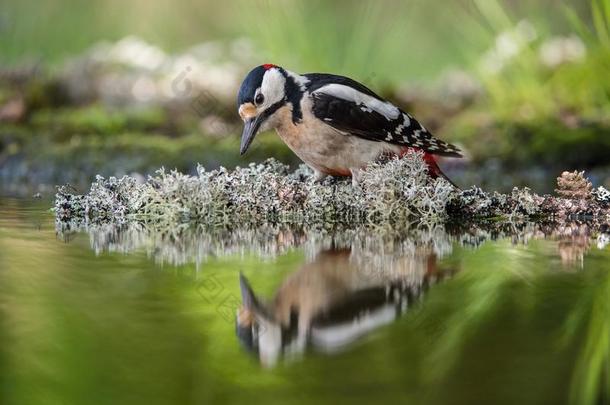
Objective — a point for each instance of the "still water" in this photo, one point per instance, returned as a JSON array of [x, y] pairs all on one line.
[[127, 316]]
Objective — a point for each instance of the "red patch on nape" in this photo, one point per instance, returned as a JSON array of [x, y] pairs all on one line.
[[268, 66]]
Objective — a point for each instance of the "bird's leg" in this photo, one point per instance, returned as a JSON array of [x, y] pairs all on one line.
[[318, 176], [356, 176]]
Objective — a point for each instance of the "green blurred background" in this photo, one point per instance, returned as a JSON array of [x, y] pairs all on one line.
[[120, 87]]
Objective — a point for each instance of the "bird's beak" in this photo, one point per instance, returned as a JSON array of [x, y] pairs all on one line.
[[252, 124], [251, 127], [247, 295], [249, 300]]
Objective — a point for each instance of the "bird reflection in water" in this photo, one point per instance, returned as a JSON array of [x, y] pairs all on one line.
[[332, 301]]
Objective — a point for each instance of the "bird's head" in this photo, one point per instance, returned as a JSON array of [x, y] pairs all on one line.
[[261, 95], [256, 326]]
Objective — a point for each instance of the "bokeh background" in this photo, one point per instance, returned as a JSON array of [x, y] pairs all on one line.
[[125, 87]]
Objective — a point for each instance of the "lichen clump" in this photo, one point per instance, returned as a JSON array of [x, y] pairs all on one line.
[[394, 193], [574, 185]]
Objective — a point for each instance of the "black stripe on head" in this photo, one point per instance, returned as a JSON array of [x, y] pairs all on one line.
[[267, 113], [253, 81], [294, 94]]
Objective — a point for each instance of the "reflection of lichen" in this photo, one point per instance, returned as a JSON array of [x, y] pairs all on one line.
[[574, 243], [393, 194], [381, 249], [197, 244]]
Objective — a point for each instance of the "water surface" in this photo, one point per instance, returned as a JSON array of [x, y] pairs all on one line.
[[110, 316]]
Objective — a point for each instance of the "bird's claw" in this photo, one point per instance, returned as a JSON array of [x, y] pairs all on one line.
[[356, 177]]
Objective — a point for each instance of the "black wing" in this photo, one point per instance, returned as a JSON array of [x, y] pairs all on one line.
[[359, 119]]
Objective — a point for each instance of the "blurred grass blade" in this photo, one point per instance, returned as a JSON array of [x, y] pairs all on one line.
[[578, 24], [599, 21], [494, 13]]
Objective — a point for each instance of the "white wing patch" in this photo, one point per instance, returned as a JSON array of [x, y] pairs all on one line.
[[366, 102]]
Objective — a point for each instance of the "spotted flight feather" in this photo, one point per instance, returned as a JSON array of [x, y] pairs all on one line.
[[352, 108]]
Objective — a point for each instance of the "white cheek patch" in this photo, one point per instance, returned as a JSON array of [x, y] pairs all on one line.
[[367, 102], [272, 87]]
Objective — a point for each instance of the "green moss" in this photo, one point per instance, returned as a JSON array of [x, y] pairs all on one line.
[[79, 157], [96, 119], [555, 142]]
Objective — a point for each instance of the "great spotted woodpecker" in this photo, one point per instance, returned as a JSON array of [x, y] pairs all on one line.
[[334, 124]]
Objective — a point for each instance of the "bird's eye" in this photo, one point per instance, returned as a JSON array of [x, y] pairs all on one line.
[[258, 100]]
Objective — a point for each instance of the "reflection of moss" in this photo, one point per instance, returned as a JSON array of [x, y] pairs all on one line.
[[590, 315]]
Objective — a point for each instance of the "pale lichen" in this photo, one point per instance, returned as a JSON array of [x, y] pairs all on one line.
[[602, 196], [391, 194]]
